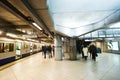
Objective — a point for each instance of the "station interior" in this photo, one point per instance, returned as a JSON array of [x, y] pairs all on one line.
[[26, 26]]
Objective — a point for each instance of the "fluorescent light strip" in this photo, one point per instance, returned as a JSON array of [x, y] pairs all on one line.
[[11, 35], [37, 26], [6, 39], [0, 32]]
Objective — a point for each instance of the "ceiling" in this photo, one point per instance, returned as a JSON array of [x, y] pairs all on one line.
[[77, 17], [17, 18], [71, 18]]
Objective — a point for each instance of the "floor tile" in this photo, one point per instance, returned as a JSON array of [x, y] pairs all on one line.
[[35, 67]]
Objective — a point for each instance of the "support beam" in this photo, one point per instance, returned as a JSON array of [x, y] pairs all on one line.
[[10, 7], [29, 7]]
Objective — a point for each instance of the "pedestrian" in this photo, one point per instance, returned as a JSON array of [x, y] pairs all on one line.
[[85, 52], [50, 51], [93, 51], [44, 51]]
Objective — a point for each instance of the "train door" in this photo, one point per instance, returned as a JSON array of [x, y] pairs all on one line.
[[18, 50], [31, 48]]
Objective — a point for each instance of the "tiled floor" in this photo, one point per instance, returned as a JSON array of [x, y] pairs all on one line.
[[107, 67]]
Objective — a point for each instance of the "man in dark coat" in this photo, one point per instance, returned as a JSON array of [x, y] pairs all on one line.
[[44, 51], [93, 51]]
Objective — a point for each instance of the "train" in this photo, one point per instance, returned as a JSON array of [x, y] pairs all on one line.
[[14, 49]]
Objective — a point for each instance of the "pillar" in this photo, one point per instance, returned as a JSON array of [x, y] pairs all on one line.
[[73, 52], [58, 47]]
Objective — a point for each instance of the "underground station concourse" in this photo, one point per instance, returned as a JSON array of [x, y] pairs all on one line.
[[48, 39]]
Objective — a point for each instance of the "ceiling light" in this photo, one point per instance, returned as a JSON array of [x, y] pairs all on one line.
[[36, 25], [33, 40], [11, 35], [6, 39], [49, 36], [29, 32], [0, 32], [18, 40], [23, 31], [29, 39], [89, 40]]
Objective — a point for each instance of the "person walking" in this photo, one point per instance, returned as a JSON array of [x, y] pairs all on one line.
[[50, 51], [93, 51], [85, 52], [44, 51]]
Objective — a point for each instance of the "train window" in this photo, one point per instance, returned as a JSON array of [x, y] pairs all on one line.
[[11, 47], [26, 46], [35, 47], [1, 47], [6, 47]]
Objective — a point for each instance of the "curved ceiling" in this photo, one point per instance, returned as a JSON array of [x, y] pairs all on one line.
[[64, 17], [77, 17]]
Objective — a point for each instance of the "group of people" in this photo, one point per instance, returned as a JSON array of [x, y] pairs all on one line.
[[85, 50], [92, 50], [48, 50]]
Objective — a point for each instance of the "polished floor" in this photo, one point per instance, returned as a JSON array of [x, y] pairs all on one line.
[[35, 67]]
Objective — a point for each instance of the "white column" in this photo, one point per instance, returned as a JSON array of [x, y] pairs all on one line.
[[58, 47]]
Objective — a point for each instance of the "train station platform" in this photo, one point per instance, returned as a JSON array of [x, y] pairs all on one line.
[[35, 67]]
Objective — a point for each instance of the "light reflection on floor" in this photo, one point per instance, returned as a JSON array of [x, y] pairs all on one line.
[[35, 67]]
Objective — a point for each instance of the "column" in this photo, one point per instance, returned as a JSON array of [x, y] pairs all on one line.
[[58, 47], [73, 52]]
